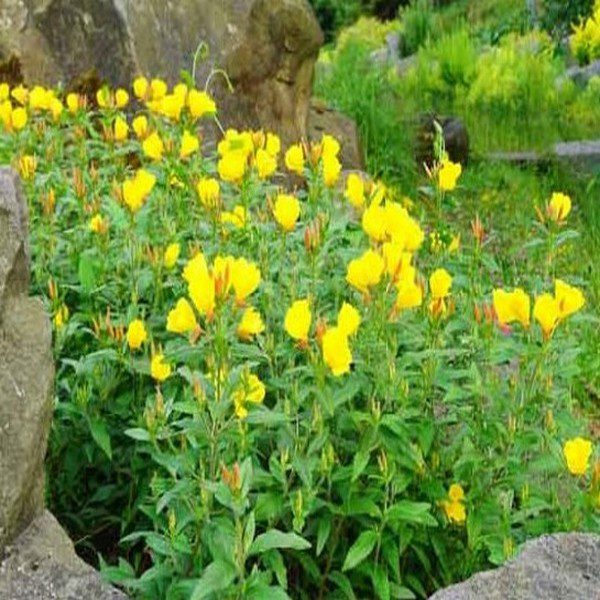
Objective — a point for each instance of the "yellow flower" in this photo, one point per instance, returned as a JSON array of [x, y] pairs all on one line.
[[286, 211], [273, 144], [27, 166], [56, 108], [559, 207], [365, 271], [189, 144], [570, 299], [182, 318], [234, 141], [250, 325], [136, 334], [331, 170], [577, 453], [158, 89], [195, 268], [374, 222], [103, 97], [266, 164], [209, 192], [61, 317], [98, 224], [140, 87], [153, 146], [348, 319], [201, 289], [136, 190], [159, 369], [402, 228], [512, 306], [4, 91], [336, 351], [546, 312], [250, 390], [18, 119], [454, 245], [74, 102], [245, 278], [297, 320], [454, 506], [20, 94], [232, 166], [171, 255], [121, 129], [121, 98], [397, 262], [40, 98], [448, 175], [200, 104], [169, 106], [330, 147], [410, 295], [237, 217], [440, 283], [355, 190], [294, 159], [140, 126]]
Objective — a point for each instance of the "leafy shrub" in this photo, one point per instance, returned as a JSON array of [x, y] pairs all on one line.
[[585, 41], [419, 25], [558, 15], [280, 394], [335, 14]]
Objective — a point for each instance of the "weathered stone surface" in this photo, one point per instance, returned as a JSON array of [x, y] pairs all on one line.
[[553, 567], [582, 75], [25, 348], [580, 157], [267, 47], [42, 565], [456, 139], [323, 119]]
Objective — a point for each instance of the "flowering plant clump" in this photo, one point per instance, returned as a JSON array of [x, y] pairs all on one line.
[[585, 39], [270, 387]]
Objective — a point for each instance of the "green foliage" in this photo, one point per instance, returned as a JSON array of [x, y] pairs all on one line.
[[558, 15], [419, 25], [335, 14]]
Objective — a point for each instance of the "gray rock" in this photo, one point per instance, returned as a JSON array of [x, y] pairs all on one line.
[[42, 565], [456, 139], [553, 567], [267, 47], [582, 75], [25, 349]]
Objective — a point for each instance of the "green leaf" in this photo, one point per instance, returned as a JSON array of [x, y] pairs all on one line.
[[343, 584], [139, 434], [277, 539], [412, 512], [101, 436], [361, 460], [323, 532], [219, 575], [264, 592], [88, 271], [381, 582], [361, 548]]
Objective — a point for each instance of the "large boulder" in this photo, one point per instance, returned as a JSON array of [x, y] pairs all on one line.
[[553, 567], [268, 48], [25, 349]]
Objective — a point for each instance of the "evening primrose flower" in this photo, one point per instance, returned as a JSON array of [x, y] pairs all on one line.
[[232, 166], [294, 159], [140, 126], [245, 279], [237, 217], [200, 104], [298, 320], [397, 261], [336, 351], [61, 316], [546, 312], [209, 192], [171, 255], [251, 390], [97, 224], [13, 119], [136, 334], [202, 291], [74, 102], [559, 207], [266, 164], [273, 144], [136, 190], [348, 319], [158, 89], [365, 271], [410, 295], [440, 283], [120, 130], [570, 299], [577, 452], [331, 170], [121, 98], [448, 175], [20, 94], [286, 211], [330, 147], [153, 147], [453, 506], [182, 318], [159, 369], [141, 87], [374, 222], [250, 325], [189, 145], [355, 190], [512, 306]]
